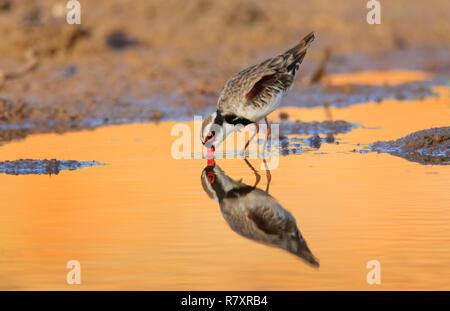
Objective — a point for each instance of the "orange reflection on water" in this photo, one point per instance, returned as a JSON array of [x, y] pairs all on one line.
[[144, 221]]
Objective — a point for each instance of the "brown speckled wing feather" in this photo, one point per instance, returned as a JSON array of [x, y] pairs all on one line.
[[242, 82], [268, 86], [257, 83]]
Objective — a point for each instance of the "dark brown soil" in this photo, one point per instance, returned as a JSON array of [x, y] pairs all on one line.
[[430, 146]]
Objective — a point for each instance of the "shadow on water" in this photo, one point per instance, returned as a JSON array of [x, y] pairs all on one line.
[[254, 213]]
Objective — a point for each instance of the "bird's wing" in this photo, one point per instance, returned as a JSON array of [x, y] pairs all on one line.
[[257, 84], [272, 218], [241, 83], [264, 224], [267, 87]]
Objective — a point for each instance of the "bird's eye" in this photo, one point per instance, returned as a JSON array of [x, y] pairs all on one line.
[[211, 177], [210, 136]]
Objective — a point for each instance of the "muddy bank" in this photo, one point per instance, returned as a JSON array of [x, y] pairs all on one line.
[[41, 167], [19, 118], [297, 137], [351, 94], [430, 146]]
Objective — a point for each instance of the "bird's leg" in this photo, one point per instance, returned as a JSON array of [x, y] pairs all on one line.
[[327, 109], [253, 136], [258, 177], [268, 175], [268, 131], [268, 134]]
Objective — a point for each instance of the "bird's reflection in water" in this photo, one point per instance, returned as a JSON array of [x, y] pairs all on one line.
[[254, 213]]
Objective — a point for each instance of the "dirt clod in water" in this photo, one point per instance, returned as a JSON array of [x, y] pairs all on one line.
[[298, 137], [430, 146], [315, 128], [330, 138], [315, 141], [284, 116], [40, 167]]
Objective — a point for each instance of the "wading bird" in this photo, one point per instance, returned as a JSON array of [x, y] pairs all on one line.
[[255, 214], [253, 93]]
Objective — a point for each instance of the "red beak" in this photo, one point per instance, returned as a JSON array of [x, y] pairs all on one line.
[[210, 156]]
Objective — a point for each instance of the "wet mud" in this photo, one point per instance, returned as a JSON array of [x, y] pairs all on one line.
[[288, 145], [42, 167], [351, 94], [298, 136], [315, 127], [430, 146], [21, 118]]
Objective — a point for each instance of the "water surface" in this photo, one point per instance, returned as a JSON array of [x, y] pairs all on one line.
[[145, 222]]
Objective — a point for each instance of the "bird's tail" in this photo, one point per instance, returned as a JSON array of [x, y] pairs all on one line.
[[298, 52], [297, 246]]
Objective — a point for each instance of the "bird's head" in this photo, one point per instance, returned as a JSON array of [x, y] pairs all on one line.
[[215, 182], [211, 133], [209, 182]]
